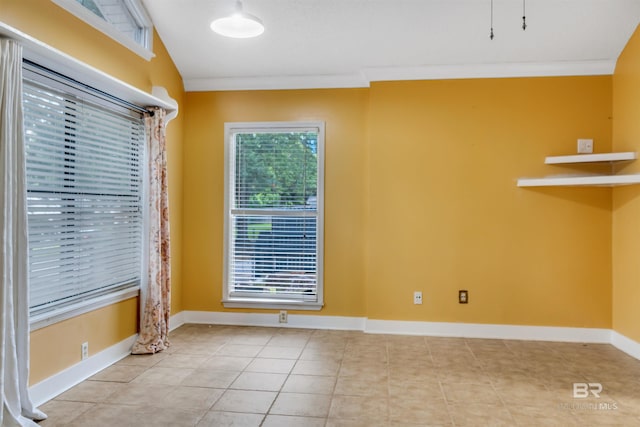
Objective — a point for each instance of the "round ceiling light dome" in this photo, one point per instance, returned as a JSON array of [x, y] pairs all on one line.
[[239, 24]]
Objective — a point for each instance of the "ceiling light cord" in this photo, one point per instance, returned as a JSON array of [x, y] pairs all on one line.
[[491, 32], [524, 18]]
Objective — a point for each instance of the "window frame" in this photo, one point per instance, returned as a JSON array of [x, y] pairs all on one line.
[[137, 10], [230, 129], [94, 299]]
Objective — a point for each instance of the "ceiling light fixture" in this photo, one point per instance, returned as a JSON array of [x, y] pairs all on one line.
[[238, 25]]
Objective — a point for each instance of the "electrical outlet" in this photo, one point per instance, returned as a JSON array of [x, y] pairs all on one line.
[[283, 317], [417, 297], [463, 297], [84, 349], [585, 146]]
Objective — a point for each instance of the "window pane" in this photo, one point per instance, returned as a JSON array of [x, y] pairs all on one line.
[[92, 6], [276, 170], [274, 255]]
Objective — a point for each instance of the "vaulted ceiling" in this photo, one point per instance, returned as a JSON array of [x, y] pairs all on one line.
[[349, 43]]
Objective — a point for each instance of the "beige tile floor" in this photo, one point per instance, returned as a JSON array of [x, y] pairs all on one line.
[[250, 376]]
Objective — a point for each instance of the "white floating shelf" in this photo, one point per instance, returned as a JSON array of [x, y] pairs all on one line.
[[591, 158], [573, 181]]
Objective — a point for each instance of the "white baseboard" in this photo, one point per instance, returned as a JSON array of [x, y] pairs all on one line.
[[64, 380], [396, 327], [629, 346], [176, 321], [271, 320], [475, 330]]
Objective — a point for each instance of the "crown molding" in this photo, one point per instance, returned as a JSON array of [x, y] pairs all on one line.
[[427, 72], [498, 70], [276, 83]]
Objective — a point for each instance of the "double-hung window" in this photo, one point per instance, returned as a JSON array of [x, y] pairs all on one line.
[[85, 157], [274, 215]]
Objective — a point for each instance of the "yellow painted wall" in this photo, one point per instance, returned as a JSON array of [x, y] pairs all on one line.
[[344, 112], [626, 200], [445, 213], [421, 195], [58, 346]]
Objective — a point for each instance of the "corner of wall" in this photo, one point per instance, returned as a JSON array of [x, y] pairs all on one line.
[[626, 200]]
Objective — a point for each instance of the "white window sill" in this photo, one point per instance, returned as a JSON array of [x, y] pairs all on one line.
[[275, 304], [43, 320]]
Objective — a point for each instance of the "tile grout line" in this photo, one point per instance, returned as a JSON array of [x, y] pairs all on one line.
[[493, 386], [285, 380], [335, 383]]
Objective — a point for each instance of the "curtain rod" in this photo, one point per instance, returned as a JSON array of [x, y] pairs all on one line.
[[88, 88]]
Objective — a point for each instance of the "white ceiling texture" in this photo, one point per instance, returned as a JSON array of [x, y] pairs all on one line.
[[350, 43]]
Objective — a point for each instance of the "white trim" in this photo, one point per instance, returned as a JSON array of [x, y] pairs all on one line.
[[42, 320], [366, 76], [474, 330], [106, 28], [322, 143], [276, 83], [271, 303], [176, 321], [622, 343], [397, 327], [161, 93], [142, 18], [47, 56], [64, 380], [500, 70], [271, 320]]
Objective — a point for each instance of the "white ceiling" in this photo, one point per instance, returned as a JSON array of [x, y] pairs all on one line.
[[349, 43]]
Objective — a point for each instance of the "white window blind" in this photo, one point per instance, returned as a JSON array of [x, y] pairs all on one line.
[[84, 192], [274, 223]]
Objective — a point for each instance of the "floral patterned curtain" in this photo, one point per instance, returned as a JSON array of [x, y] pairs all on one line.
[[156, 293]]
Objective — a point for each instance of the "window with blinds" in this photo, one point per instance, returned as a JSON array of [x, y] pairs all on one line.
[[84, 192], [274, 180]]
